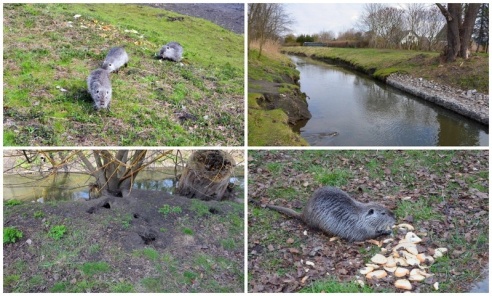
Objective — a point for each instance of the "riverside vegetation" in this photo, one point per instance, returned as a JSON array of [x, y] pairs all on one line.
[[380, 63], [471, 74], [49, 49], [271, 72]]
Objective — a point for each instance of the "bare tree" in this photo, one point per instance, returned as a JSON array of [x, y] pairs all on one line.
[[433, 23], [415, 17], [370, 23], [459, 28], [325, 36], [481, 30], [384, 24], [266, 21]]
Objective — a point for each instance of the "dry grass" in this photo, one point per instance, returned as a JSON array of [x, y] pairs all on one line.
[[271, 49]]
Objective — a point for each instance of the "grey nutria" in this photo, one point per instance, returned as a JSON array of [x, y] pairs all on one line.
[[94, 191], [172, 51], [335, 212], [99, 86], [116, 58]]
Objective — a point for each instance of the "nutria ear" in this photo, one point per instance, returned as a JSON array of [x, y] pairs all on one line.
[[370, 212]]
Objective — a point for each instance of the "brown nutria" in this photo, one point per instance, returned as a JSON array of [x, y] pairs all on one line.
[[335, 212], [94, 191]]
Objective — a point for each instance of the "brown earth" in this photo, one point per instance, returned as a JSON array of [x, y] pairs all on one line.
[[123, 230]]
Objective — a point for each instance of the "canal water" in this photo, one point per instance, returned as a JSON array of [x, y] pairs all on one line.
[[74, 186], [350, 109]]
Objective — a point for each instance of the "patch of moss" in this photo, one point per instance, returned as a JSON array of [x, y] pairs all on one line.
[[270, 127]]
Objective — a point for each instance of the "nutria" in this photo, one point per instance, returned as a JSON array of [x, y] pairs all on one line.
[[335, 212], [99, 86], [116, 58], [172, 51], [94, 191]]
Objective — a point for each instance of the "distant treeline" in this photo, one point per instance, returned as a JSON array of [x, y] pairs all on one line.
[[337, 43]]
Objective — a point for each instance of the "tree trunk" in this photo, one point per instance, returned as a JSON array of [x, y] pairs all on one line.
[[207, 175], [467, 28], [114, 173], [458, 31]]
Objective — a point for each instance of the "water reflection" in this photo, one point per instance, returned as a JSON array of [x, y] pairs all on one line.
[[353, 110], [74, 186]]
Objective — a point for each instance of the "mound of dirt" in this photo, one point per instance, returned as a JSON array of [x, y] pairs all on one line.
[[120, 232]]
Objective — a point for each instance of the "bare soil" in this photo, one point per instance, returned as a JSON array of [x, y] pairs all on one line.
[[122, 229]]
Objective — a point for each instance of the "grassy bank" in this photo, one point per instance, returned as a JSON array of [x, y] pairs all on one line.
[[271, 72], [48, 54], [269, 127], [465, 74], [420, 187]]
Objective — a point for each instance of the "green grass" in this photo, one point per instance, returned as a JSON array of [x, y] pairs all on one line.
[[150, 254], [57, 232], [269, 68], [167, 209], [11, 235], [38, 214], [269, 127], [149, 97], [122, 288], [187, 231], [92, 268], [12, 202], [200, 207], [331, 177], [335, 286], [380, 63], [228, 243], [274, 168]]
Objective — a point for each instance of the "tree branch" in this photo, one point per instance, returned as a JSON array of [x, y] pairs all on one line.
[[445, 12]]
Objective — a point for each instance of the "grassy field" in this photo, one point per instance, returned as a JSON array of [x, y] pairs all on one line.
[[48, 54], [443, 193], [465, 74]]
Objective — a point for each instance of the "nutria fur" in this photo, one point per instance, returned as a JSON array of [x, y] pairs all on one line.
[[335, 212], [116, 58], [94, 191], [172, 51], [99, 86]]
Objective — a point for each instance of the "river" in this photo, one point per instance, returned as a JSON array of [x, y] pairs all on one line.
[[351, 109], [74, 186]]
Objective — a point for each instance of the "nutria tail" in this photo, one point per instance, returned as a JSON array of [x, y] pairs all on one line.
[[285, 211]]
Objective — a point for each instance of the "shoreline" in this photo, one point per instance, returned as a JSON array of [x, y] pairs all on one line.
[[470, 103]]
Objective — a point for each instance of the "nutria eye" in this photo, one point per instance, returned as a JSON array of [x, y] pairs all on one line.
[[383, 213], [97, 91]]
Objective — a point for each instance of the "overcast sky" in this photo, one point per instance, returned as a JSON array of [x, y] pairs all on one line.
[[314, 18]]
